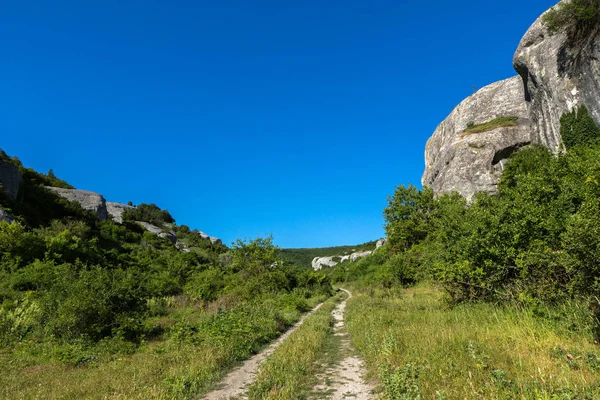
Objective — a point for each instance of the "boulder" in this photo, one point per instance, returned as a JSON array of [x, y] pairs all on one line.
[[380, 243], [470, 163], [10, 178], [557, 75], [115, 211], [87, 200]]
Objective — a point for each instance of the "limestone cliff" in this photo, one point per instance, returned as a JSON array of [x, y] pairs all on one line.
[[88, 200], [555, 75], [116, 210], [470, 163], [10, 178]]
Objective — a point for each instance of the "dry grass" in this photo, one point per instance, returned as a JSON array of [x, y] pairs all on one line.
[[417, 346], [499, 122]]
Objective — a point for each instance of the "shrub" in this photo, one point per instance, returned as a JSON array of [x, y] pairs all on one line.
[[578, 128], [579, 19], [150, 213]]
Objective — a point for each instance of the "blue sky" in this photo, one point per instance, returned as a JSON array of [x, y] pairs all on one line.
[[246, 118]]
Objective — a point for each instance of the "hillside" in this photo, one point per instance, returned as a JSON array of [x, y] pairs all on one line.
[[304, 256], [93, 298]]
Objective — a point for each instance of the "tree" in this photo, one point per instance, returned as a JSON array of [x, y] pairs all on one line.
[[408, 216]]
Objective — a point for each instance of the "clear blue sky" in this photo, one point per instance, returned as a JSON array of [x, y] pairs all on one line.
[[245, 118]]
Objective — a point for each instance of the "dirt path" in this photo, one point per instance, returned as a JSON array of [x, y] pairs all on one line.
[[236, 382], [344, 380]]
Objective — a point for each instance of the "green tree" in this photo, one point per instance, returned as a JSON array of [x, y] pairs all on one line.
[[408, 216]]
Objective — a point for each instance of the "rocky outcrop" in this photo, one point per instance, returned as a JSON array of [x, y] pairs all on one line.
[[158, 231], [87, 200], [212, 239], [319, 262], [360, 254], [10, 178], [380, 243], [470, 163], [116, 210], [5, 216], [557, 75]]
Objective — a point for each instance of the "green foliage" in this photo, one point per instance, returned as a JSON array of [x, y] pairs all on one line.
[[578, 128], [498, 122], [408, 217], [150, 213], [401, 383], [538, 240], [579, 19]]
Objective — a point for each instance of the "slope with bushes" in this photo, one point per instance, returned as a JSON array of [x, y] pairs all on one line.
[[82, 299]]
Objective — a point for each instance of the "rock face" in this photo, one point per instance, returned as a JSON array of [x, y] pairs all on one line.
[[319, 262], [4, 216], [115, 211], [380, 243], [470, 163], [555, 76], [212, 239], [158, 231], [87, 200], [11, 178]]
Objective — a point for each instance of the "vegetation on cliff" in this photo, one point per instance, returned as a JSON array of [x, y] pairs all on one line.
[[579, 19], [507, 287]]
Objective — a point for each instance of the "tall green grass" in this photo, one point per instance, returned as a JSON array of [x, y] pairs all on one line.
[[290, 371], [194, 351], [419, 348]]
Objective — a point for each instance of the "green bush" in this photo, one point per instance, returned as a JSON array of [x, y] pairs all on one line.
[[579, 19], [578, 128], [150, 213]]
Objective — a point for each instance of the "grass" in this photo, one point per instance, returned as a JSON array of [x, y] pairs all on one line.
[[291, 370], [419, 348], [195, 351], [498, 122]]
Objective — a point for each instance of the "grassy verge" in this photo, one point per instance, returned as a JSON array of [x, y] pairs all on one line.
[[195, 350], [420, 348], [499, 122], [290, 372]]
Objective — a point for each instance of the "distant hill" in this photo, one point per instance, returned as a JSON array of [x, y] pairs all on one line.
[[303, 256]]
